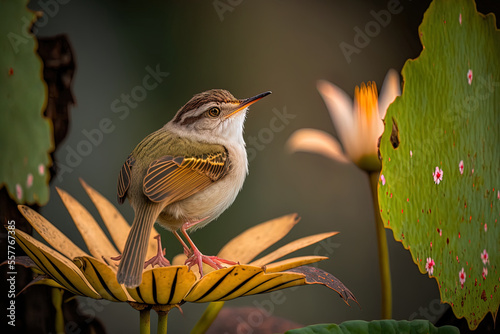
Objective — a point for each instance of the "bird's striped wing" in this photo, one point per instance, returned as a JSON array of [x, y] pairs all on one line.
[[175, 178], [124, 178]]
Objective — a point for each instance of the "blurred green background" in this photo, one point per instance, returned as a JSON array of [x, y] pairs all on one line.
[[254, 46]]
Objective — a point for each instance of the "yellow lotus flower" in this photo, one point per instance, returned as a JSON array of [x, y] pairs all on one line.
[[71, 268], [358, 124]]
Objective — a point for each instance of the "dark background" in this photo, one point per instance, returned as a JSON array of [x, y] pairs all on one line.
[[283, 46]]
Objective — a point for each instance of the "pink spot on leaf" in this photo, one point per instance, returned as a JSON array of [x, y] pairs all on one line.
[[429, 265], [438, 175], [461, 277], [19, 191], [485, 227], [484, 256], [382, 178], [461, 166], [460, 18], [469, 77], [29, 180], [41, 169], [485, 272]]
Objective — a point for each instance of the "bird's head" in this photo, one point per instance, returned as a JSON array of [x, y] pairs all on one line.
[[214, 115]]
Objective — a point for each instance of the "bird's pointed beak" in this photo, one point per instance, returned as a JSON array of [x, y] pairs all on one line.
[[248, 102]]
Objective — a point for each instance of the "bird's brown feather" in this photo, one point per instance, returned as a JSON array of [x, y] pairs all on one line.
[[124, 178], [175, 178]]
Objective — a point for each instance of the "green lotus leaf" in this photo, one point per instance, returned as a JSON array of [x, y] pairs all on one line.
[[439, 185], [377, 326], [25, 135]]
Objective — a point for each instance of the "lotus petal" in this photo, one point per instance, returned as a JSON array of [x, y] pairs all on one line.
[[246, 246], [97, 242], [51, 234], [292, 247], [241, 280], [316, 141], [292, 263], [62, 270], [115, 223], [166, 285], [41, 280], [102, 278]]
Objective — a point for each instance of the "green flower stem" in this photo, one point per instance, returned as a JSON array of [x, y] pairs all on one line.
[[162, 322], [383, 252], [207, 318], [145, 322], [57, 301]]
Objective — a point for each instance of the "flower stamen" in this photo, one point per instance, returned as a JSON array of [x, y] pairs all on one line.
[[366, 98]]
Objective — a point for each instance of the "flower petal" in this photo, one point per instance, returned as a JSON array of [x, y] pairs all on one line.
[[246, 246], [368, 127], [179, 259], [240, 280], [51, 234], [115, 223], [340, 107], [319, 276], [102, 278], [391, 88], [292, 263], [62, 270], [316, 141], [165, 285], [95, 239], [291, 247], [41, 280]]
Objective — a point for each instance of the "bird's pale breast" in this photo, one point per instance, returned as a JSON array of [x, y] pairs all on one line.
[[213, 200]]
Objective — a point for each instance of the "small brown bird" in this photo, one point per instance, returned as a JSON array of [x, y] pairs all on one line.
[[184, 176]]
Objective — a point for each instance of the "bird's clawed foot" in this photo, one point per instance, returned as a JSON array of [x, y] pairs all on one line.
[[195, 257], [159, 259]]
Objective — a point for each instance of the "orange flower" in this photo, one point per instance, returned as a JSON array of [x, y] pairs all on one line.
[[359, 124]]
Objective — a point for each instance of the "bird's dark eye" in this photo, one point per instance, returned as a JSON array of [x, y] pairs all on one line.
[[213, 112]]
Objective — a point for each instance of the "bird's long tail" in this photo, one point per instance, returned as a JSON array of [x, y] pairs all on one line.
[[133, 257]]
